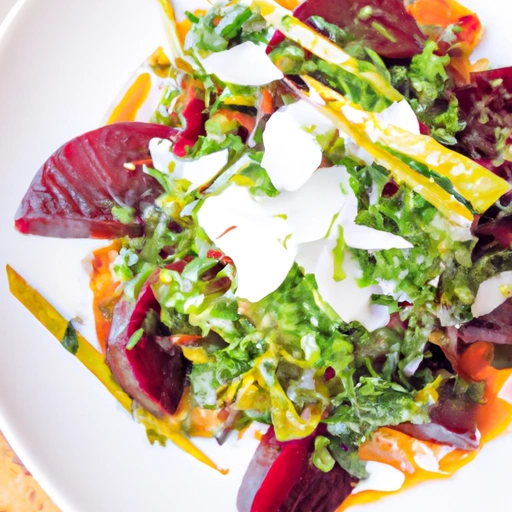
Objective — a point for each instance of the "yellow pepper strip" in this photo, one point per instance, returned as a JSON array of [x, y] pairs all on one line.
[[475, 183], [57, 326], [94, 362], [478, 185], [283, 20], [402, 173]]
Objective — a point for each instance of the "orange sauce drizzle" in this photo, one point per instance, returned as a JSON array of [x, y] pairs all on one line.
[[289, 4], [132, 101], [105, 291]]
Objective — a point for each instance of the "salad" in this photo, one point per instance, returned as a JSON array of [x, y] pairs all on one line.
[[311, 234]]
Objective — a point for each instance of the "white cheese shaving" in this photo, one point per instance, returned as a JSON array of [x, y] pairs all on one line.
[[383, 477], [197, 172], [346, 297], [492, 293], [246, 64], [310, 210], [402, 115], [292, 153], [244, 230]]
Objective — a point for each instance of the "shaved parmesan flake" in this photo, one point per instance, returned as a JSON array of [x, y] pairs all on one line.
[[402, 115], [383, 477], [182, 6], [245, 64], [492, 293], [346, 297], [197, 172], [311, 209], [247, 233], [292, 153]]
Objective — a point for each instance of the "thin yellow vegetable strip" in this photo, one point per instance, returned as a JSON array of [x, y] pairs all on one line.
[[94, 362], [478, 185], [283, 20], [57, 326], [432, 192], [475, 183]]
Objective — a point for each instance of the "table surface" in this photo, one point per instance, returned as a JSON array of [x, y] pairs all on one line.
[[19, 492]]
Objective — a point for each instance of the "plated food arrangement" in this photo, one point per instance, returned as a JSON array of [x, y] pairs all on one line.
[[311, 234]]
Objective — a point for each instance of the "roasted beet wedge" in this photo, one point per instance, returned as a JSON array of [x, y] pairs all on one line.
[[453, 421], [73, 193], [153, 376], [387, 29], [496, 327], [281, 478]]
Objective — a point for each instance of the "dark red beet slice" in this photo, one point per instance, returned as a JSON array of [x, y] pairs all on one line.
[[453, 421], [281, 478], [389, 30], [496, 327], [265, 455], [153, 377], [73, 193]]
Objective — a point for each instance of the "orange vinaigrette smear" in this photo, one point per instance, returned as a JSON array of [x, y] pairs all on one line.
[[132, 101]]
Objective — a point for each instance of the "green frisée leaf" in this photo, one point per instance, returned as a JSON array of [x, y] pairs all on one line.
[[339, 255], [197, 267], [445, 125], [348, 459], [203, 385], [426, 85], [124, 214], [374, 403], [261, 183], [427, 74]]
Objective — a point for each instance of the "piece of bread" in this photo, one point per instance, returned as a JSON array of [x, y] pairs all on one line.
[[19, 492]]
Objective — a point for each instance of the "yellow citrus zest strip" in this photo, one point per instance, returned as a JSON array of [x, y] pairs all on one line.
[[94, 362], [432, 192], [283, 20]]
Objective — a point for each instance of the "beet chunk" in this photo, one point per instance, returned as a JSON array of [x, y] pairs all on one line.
[[495, 327], [281, 478], [388, 29], [452, 421], [73, 193], [155, 378]]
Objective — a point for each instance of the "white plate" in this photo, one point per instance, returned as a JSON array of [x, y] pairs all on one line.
[[61, 65]]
